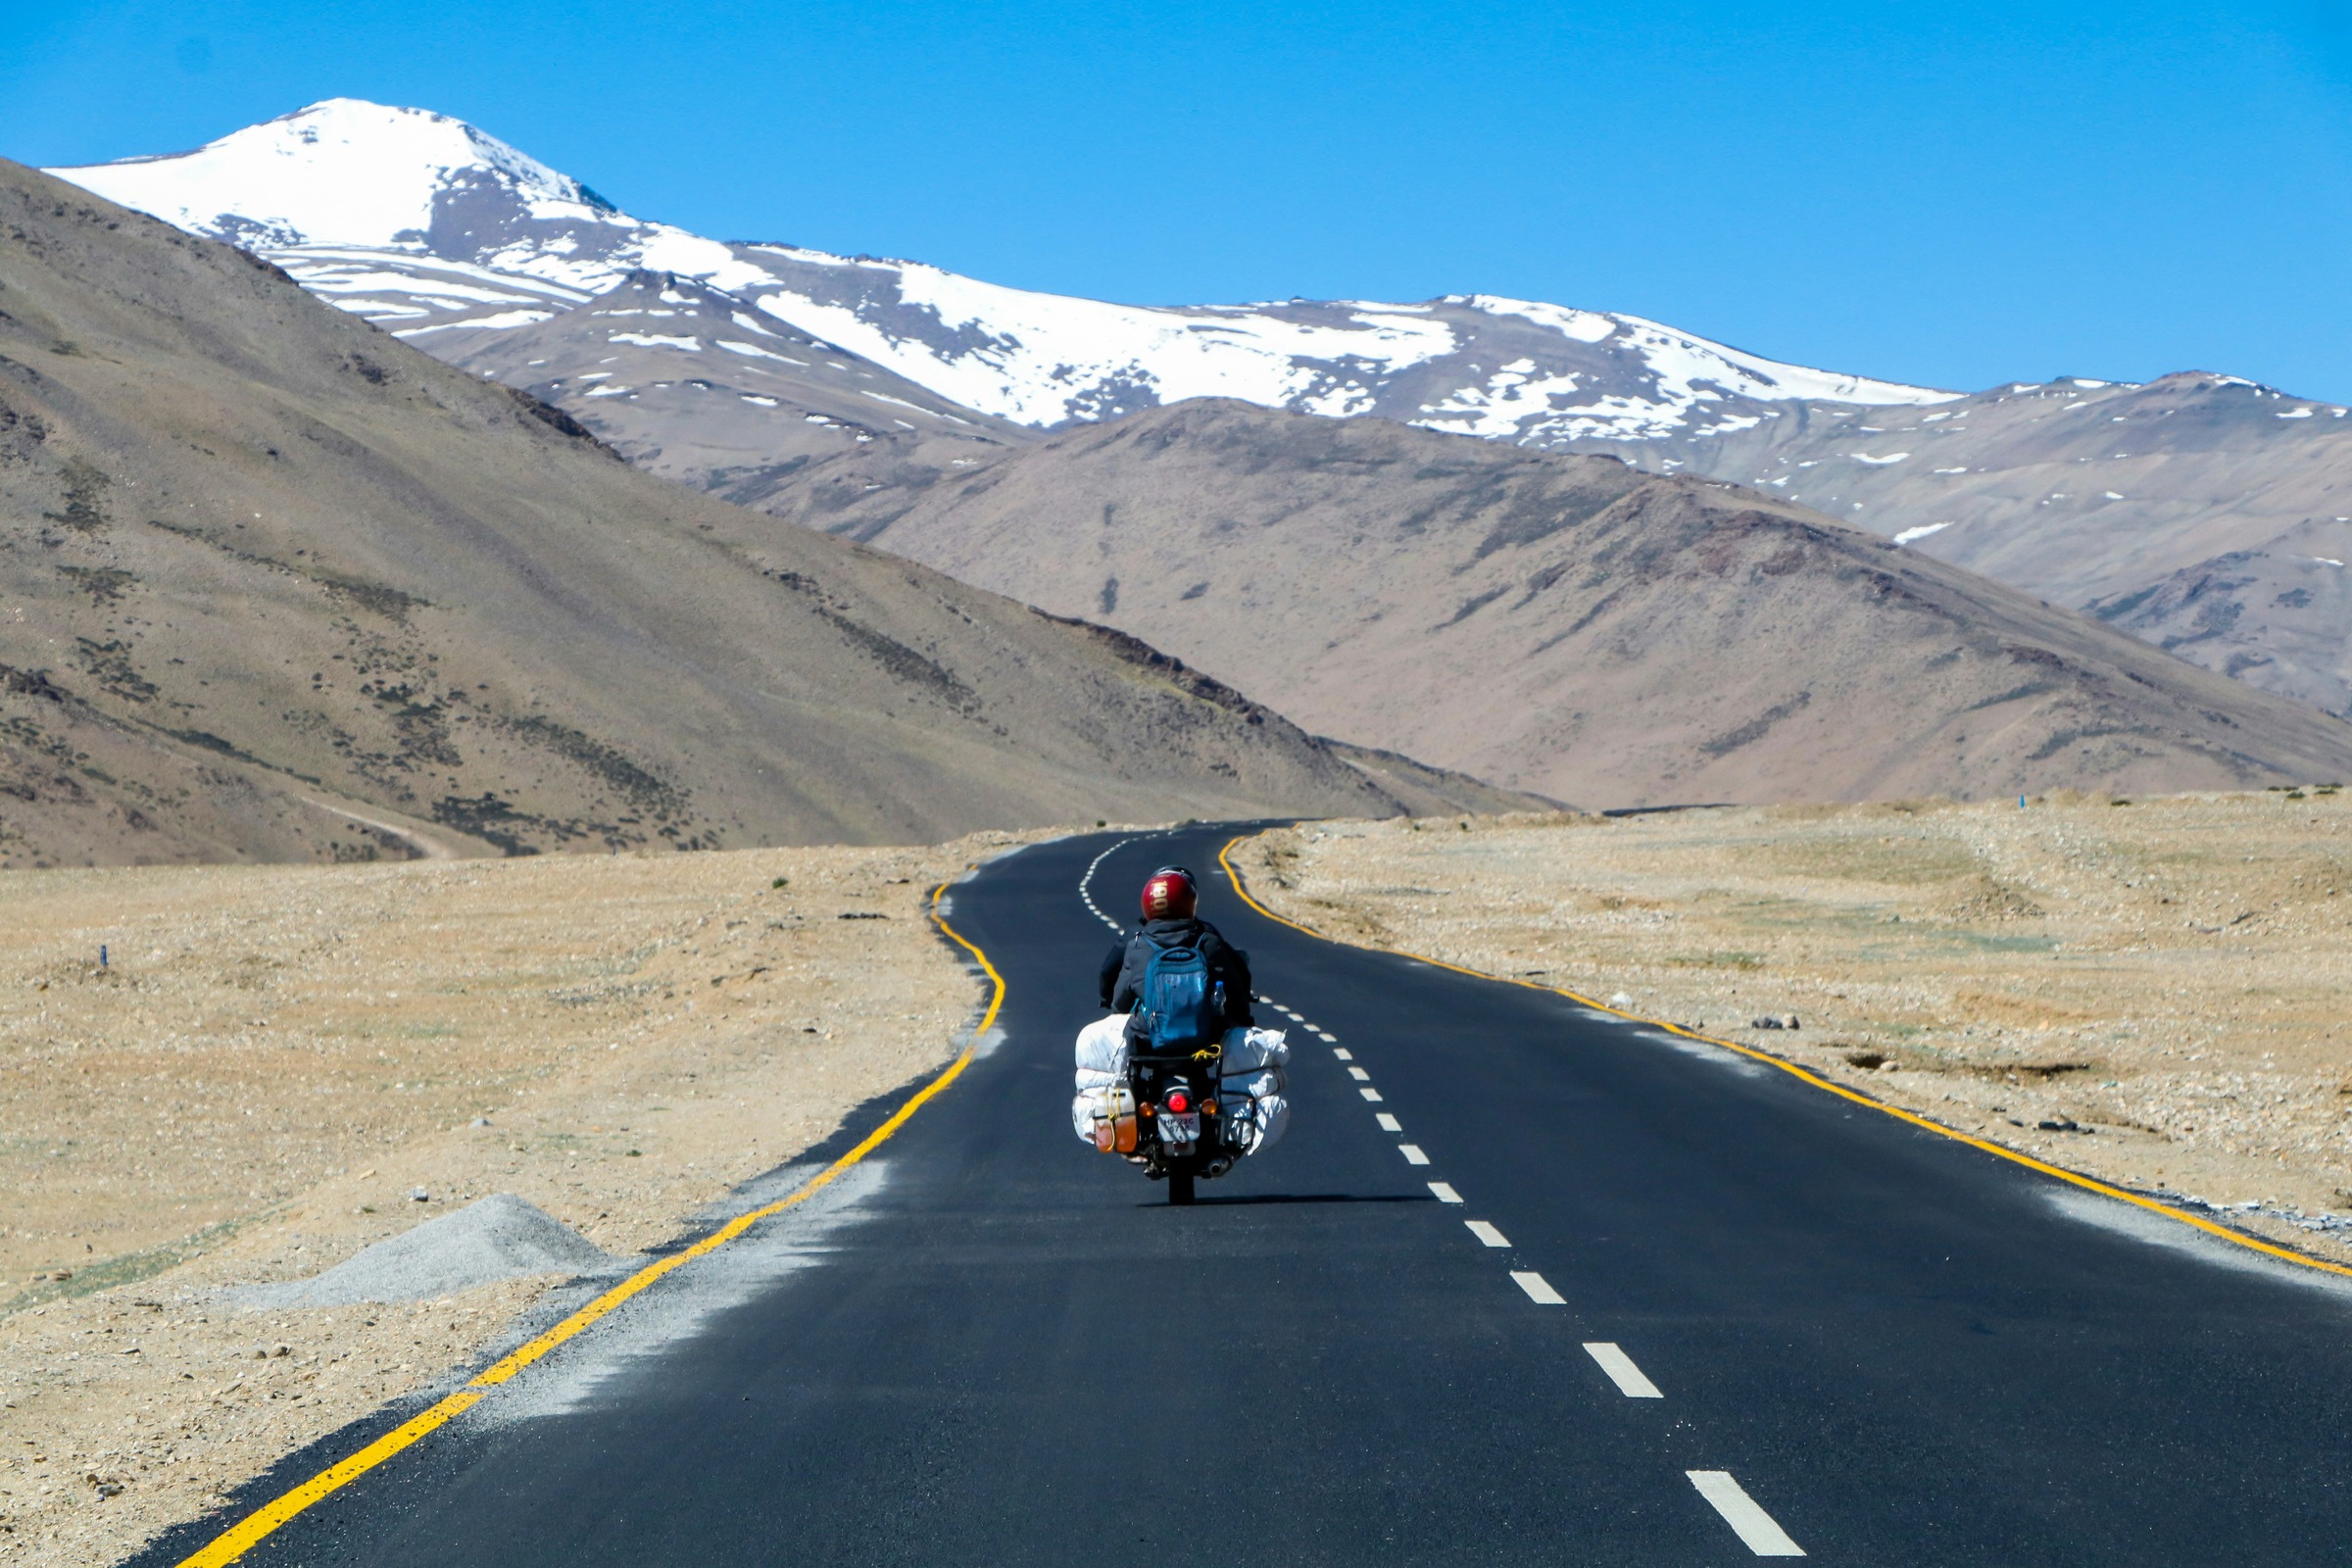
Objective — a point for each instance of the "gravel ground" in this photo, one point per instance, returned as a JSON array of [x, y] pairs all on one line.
[[2151, 992], [277, 1066]]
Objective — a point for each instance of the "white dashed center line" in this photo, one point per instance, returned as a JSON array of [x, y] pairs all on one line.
[[1753, 1525], [1538, 1292], [1756, 1529], [1622, 1372], [1086, 885]]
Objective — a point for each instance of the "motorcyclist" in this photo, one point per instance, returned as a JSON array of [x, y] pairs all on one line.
[[1170, 897]]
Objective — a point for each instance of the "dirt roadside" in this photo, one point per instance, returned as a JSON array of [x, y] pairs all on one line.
[[2152, 992], [277, 1066]]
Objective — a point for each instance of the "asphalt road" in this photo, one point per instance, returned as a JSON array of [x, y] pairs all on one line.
[[1867, 1342]]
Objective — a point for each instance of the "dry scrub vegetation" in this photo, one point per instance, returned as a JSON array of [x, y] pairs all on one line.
[[2153, 992], [274, 1062]]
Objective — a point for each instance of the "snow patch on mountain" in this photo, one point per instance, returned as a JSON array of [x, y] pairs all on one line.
[[1501, 406], [1694, 362], [1043, 359], [1585, 326]]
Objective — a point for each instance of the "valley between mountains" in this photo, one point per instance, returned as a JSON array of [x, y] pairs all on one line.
[[2201, 512], [372, 491], [279, 588]]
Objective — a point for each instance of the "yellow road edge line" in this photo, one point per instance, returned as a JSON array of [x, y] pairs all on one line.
[[249, 1532], [1807, 1075]]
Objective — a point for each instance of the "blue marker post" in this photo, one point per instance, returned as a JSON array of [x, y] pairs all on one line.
[[2021, 803], [101, 954]]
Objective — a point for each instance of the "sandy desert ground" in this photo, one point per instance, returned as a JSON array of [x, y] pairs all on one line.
[[274, 1061], [2151, 992], [278, 1065]]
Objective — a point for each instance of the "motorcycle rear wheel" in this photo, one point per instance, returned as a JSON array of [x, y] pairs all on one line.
[[1180, 1185]]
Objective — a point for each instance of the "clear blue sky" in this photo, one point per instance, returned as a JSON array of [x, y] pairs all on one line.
[[1953, 194]]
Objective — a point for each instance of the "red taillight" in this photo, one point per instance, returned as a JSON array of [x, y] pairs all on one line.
[[1179, 1102]]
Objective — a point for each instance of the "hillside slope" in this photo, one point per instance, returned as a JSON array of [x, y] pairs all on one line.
[[277, 587], [2080, 491], [684, 382], [2202, 512], [2101, 495], [1572, 626]]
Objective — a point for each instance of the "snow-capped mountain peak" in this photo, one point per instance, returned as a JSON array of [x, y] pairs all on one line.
[[442, 233], [344, 172]]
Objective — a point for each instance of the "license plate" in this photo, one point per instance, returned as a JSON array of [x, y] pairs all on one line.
[[1183, 1129]]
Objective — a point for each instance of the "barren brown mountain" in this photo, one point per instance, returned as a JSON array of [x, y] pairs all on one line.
[[2202, 512], [1572, 626], [273, 586]]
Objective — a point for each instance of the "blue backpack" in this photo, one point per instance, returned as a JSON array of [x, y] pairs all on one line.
[[1181, 1011]]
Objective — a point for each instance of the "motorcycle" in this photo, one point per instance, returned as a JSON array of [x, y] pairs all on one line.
[[1183, 1104], [1182, 1134]]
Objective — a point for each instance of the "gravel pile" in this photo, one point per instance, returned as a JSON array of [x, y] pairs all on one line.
[[500, 1238]]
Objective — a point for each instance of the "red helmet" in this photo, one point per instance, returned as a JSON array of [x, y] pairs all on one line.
[[1170, 895]]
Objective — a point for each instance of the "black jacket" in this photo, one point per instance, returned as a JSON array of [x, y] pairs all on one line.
[[1122, 977]]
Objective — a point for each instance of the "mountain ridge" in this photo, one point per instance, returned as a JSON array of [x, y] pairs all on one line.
[[281, 588], [1579, 629], [496, 239], [484, 255]]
